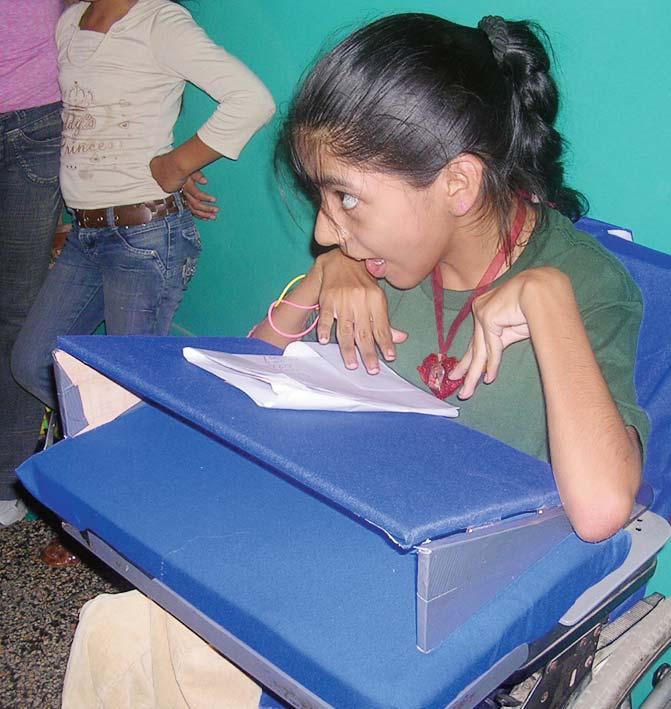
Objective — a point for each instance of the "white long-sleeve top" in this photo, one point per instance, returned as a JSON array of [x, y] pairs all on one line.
[[122, 94]]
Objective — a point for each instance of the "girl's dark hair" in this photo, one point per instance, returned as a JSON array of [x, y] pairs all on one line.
[[410, 92]]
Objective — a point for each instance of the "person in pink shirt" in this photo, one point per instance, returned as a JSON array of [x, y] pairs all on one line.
[[30, 204]]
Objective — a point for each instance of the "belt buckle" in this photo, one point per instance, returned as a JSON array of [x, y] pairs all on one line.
[[140, 214]]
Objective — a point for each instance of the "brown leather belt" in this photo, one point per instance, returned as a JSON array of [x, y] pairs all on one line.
[[128, 214]]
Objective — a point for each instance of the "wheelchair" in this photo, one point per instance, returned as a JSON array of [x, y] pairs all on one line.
[[343, 584]]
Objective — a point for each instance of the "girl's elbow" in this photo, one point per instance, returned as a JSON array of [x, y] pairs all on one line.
[[603, 508], [264, 105], [604, 518]]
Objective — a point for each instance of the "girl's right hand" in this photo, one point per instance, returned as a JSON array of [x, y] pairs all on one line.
[[351, 298]]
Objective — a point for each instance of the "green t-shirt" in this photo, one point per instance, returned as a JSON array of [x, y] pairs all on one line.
[[512, 408]]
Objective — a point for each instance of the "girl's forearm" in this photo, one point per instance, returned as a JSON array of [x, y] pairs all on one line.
[[288, 319], [171, 170], [596, 460], [190, 156]]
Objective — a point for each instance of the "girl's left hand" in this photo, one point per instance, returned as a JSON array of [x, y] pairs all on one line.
[[351, 300], [200, 203], [166, 172], [498, 321]]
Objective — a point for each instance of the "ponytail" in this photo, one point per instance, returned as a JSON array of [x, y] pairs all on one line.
[[533, 163]]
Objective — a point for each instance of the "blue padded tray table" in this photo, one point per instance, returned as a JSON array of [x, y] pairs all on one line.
[[313, 592], [400, 474]]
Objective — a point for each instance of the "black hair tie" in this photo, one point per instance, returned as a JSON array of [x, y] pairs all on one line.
[[496, 29]]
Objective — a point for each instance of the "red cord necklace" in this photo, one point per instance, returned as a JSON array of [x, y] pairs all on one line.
[[436, 366]]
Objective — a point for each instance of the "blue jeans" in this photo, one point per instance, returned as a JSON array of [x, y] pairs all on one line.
[[30, 204], [132, 278]]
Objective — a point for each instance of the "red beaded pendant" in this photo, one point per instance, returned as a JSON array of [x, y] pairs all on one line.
[[434, 370]]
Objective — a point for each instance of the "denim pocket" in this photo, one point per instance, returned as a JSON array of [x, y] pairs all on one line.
[[189, 270], [37, 147], [147, 242]]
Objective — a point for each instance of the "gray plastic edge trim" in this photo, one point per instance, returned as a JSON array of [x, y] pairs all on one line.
[[459, 574], [649, 533], [69, 401]]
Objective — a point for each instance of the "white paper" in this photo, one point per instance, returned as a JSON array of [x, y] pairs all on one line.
[[313, 376]]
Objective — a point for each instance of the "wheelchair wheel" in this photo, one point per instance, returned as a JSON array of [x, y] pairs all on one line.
[[625, 662]]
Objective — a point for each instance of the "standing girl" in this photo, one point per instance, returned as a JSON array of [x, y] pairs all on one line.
[[133, 249], [134, 246]]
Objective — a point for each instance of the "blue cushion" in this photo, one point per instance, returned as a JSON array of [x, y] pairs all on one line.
[[402, 473]]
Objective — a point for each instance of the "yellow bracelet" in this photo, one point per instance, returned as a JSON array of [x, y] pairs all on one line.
[[288, 287]]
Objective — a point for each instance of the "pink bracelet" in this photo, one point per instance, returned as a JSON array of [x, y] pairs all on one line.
[[297, 335]]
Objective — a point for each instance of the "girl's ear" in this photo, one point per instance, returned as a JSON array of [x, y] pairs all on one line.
[[462, 179]]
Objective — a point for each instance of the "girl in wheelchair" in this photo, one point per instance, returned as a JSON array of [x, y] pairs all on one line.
[[430, 151]]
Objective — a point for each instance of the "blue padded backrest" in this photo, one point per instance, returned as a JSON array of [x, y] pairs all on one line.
[[652, 272]]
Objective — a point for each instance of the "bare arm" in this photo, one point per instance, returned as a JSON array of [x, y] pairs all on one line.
[[172, 169], [289, 319], [595, 458]]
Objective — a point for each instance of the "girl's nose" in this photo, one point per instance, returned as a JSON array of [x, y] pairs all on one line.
[[326, 232]]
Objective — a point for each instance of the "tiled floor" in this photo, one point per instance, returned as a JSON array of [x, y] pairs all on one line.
[[38, 615]]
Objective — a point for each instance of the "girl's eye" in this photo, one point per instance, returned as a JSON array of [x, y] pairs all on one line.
[[349, 201]]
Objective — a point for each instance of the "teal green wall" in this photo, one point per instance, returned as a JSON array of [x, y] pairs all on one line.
[[613, 70]]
